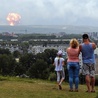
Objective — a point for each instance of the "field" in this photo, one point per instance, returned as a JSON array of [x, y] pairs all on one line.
[[12, 87]]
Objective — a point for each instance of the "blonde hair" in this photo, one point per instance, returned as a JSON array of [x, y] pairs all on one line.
[[74, 43]]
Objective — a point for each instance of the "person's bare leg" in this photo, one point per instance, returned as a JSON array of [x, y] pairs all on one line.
[[63, 77], [87, 79], [92, 84], [60, 87], [58, 80], [61, 81]]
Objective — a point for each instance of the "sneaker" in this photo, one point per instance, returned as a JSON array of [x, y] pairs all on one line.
[[93, 91], [88, 91], [60, 87], [71, 90], [76, 90]]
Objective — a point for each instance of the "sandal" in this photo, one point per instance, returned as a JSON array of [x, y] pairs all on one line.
[[71, 90], [93, 91], [60, 87], [88, 91], [76, 90]]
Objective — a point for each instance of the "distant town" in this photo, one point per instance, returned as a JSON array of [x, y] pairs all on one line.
[[37, 43]]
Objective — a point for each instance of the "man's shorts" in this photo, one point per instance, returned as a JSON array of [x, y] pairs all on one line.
[[88, 69]]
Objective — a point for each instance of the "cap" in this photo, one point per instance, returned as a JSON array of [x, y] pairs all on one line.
[[59, 52], [85, 36]]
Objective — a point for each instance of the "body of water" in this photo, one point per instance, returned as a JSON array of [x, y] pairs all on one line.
[[46, 29]]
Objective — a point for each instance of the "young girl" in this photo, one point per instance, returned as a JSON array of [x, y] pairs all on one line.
[[59, 63]]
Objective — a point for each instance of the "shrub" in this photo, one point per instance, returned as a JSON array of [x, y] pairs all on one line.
[[96, 80], [52, 77], [82, 79]]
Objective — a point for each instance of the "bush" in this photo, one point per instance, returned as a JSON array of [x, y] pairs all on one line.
[[39, 70], [52, 77], [82, 79], [96, 80]]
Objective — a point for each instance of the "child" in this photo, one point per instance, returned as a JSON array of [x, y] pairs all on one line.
[[59, 63]]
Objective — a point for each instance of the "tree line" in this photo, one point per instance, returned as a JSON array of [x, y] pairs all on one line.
[[38, 66], [34, 66]]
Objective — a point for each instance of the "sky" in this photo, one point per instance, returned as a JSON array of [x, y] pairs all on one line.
[[51, 12]]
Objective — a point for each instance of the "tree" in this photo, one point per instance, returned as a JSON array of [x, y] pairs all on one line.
[[26, 62], [50, 55], [25, 46], [16, 54], [7, 64], [5, 51], [39, 69]]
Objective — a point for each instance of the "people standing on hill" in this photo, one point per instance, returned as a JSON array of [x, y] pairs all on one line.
[[59, 63], [73, 64], [87, 49]]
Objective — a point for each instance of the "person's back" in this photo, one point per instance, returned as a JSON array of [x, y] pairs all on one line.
[[87, 53], [58, 63], [88, 69], [73, 54]]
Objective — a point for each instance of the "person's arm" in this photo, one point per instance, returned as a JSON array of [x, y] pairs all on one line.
[[67, 53], [63, 63], [80, 48], [66, 50], [94, 45]]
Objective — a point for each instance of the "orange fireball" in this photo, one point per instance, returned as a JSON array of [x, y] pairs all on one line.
[[13, 18]]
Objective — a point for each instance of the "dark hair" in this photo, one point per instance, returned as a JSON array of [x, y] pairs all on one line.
[[85, 36], [58, 61]]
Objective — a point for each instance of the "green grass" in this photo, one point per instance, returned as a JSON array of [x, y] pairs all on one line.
[[11, 87]]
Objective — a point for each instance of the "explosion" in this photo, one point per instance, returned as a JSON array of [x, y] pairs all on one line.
[[13, 18]]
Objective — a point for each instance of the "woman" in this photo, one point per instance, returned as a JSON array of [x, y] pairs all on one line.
[[59, 63], [73, 64]]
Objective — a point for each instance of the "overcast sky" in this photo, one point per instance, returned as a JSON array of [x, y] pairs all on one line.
[[51, 12]]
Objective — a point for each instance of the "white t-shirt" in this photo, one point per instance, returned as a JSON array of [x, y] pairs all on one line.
[[58, 67]]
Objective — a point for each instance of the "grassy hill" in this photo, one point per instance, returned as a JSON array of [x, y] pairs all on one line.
[[11, 87]]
